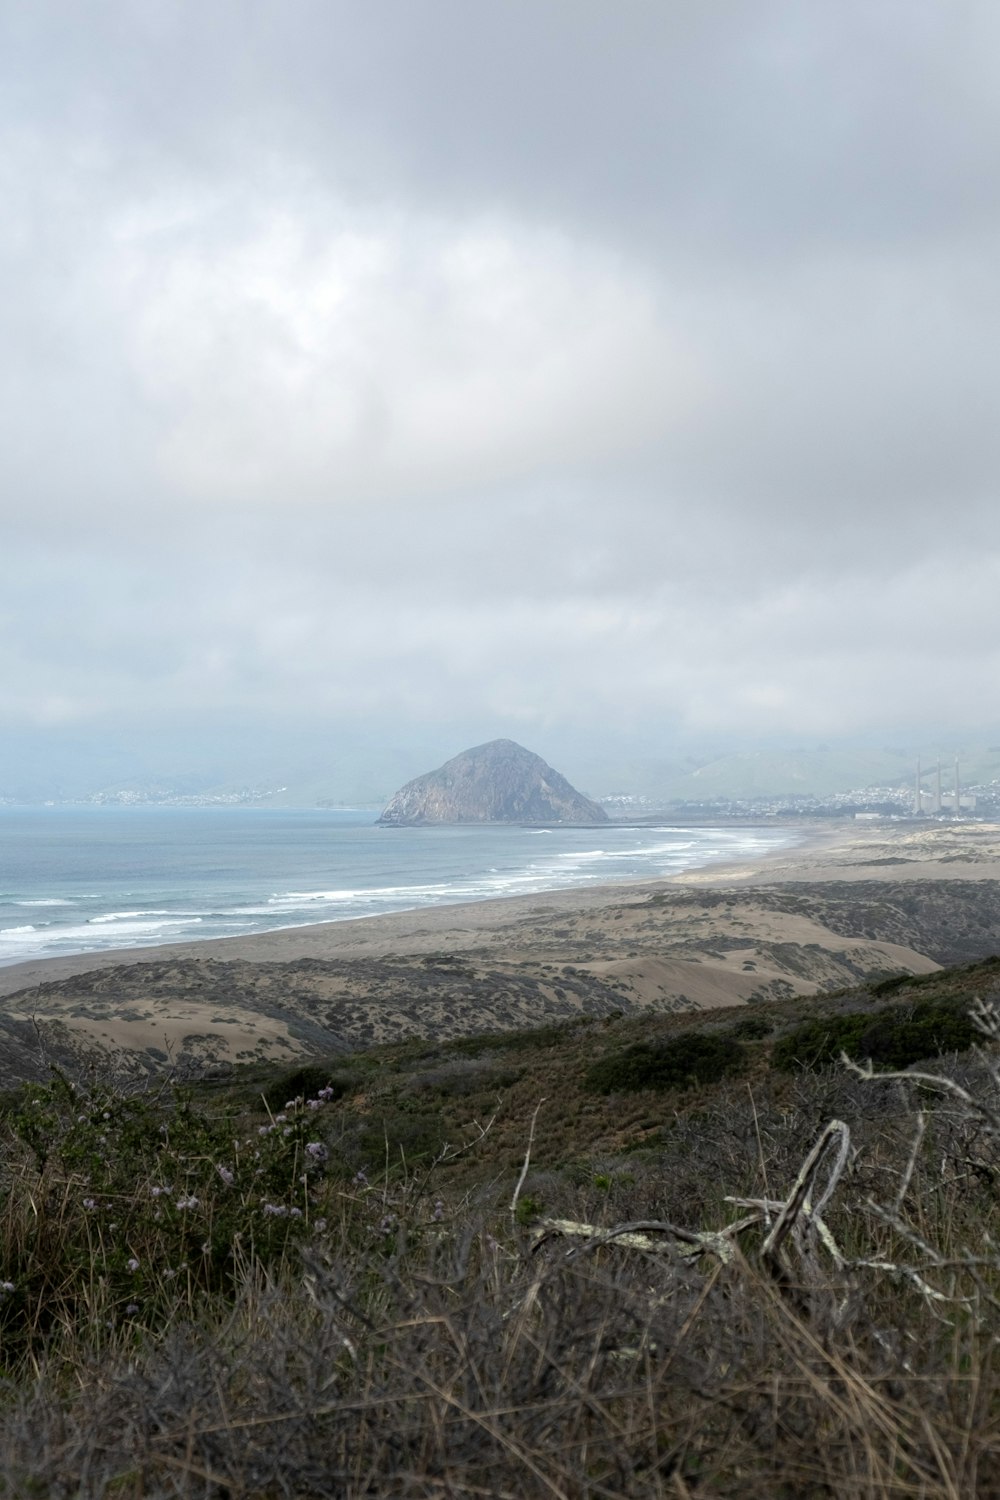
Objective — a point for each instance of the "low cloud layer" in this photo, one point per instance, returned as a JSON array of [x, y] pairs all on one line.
[[555, 369]]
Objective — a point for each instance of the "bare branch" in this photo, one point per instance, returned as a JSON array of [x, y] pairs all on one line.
[[527, 1160]]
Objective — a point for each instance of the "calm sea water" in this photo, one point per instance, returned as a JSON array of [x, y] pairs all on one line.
[[86, 879]]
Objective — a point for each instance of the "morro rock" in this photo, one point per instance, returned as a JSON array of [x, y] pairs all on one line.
[[496, 783]]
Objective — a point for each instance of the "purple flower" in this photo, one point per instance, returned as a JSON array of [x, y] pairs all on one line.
[[275, 1210], [132, 1263], [89, 1203], [316, 1150], [226, 1175]]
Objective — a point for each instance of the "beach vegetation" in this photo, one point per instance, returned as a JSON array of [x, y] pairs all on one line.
[[758, 1282], [683, 1062], [894, 1037]]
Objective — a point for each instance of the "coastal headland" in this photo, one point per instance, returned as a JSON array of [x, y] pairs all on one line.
[[848, 902]]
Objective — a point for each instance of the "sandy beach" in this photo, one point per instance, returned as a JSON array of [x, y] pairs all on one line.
[[850, 900]]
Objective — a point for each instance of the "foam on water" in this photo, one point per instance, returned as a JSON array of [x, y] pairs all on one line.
[[119, 878]]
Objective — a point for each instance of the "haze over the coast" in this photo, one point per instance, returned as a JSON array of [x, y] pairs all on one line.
[[378, 380]]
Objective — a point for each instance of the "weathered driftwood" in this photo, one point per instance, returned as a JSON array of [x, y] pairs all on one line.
[[795, 1219], [793, 1228]]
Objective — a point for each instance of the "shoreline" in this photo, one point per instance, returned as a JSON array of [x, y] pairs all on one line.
[[840, 907], [842, 851], [408, 930], [729, 847]]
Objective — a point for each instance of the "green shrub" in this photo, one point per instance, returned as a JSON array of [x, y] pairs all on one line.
[[753, 1029], [113, 1207], [405, 1139], [305, 1083], [689, 1059], [891, 1039]]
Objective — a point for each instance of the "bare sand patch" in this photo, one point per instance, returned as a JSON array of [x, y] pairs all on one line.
[[845, 905]]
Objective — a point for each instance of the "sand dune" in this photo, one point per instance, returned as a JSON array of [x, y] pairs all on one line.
[[847, 904]]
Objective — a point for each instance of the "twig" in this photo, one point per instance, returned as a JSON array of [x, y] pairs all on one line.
[[636, 1236], [527, 1160], [760, 1153], [947, 1085], [798, 1200], [904, 1182]]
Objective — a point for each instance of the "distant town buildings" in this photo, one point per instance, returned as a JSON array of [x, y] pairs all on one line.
[[937, 800]]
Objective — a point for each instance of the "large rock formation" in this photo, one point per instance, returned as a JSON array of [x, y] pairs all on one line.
[[496, 783]]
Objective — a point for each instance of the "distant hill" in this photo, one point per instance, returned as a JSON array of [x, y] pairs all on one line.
[[355, 772], [805, 772], [499, 782]]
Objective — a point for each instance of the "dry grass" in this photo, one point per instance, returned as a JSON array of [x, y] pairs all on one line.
[[410, 1336]]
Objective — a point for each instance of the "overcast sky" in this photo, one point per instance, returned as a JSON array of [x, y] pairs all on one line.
[[474, 367]]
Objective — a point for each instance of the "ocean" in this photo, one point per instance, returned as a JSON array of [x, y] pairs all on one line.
[[84, 880]]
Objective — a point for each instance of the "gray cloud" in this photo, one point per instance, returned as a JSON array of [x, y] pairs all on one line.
[[547, 367]]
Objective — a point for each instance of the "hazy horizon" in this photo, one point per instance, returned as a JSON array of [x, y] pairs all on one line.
[[364, 770]]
